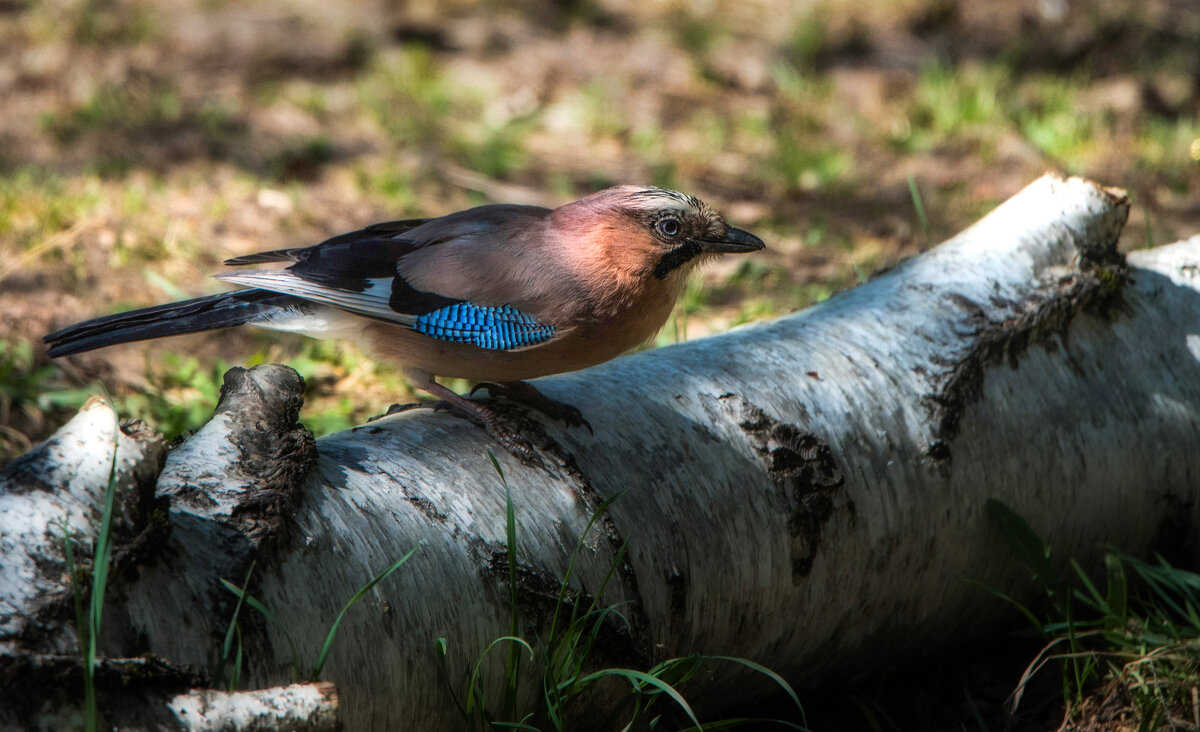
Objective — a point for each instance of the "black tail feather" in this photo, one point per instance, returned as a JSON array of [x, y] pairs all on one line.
[[189, 316], [275, 255]]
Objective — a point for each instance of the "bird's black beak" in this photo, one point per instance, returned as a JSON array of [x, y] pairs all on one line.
[[735, 241]]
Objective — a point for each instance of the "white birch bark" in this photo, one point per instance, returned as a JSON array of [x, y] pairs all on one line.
[[808, 494], [310, 707]]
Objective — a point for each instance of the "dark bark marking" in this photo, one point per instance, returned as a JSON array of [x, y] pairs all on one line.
[[427, 507], [537, 589], [972, 308], [24, 474], [538, 593], [635, 644], [1003, 303], [801, 465], [1095, 289]]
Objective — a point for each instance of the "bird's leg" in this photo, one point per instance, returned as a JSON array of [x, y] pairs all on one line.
[[525, 393], [483, 416]]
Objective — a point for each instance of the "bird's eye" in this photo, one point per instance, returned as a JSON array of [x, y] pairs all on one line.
[[668, 226]]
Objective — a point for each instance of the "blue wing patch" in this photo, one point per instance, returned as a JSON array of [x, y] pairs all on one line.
[[494, 328]]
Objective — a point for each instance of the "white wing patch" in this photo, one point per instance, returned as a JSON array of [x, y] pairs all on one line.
[[315, 322], [373, 301]]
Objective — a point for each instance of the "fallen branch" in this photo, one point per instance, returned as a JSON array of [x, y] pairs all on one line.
[[808, 494]]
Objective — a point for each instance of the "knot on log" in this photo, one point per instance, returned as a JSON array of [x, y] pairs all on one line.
[[247, 464], [273, 393]]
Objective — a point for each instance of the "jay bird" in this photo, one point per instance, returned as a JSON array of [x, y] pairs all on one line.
[[498, 293]]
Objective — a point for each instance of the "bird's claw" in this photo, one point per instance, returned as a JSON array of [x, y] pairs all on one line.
[[516, 445], [570, 415], [483, 416], [489, 421], [491, 388], [525, 393]]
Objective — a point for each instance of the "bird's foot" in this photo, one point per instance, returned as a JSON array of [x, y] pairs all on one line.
[[490, 422], [525, 393], [485, 417]]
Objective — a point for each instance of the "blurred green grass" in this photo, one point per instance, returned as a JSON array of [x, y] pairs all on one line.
[[142, 144]]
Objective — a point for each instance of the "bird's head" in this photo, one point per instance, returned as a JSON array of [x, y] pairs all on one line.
[[650, 232]]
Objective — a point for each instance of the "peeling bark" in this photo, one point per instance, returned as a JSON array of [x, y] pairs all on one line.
[[809, 493], [299, 708]]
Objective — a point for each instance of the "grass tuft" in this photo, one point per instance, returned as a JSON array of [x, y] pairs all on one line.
[[1139, 635], [561, 656], [233, 632]]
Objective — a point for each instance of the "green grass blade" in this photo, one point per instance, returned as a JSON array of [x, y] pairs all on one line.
[[474, 695], [104, 539], [236, 677], [100, 561], [513, 669], [612, 570], [1026, 544], [552, 704], [68, 549], [1193, 618], [592, 635], [441, 649], [328, 645], [639, 678], [251, 600], [562, 592], [1155, 580], [677, 671], [1033, 619], [919, 205], [779, 680], [266, 612], [1091, 596], [81, 625], [219, 675]]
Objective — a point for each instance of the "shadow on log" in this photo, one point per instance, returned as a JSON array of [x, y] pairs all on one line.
[[809, 493]]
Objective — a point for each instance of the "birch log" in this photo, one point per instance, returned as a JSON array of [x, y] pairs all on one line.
[[809, 493]]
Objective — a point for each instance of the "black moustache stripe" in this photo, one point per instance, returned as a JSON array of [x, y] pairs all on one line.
[[676, 258]]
